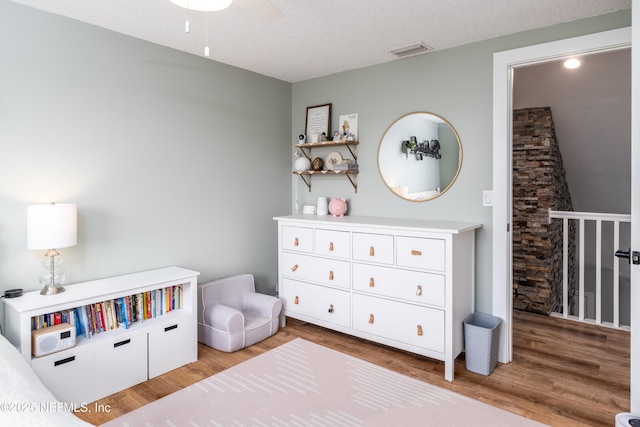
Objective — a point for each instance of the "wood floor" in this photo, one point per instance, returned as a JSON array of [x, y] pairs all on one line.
[[563, 373]]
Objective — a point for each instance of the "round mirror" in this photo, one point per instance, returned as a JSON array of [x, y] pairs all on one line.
[[419, 156]]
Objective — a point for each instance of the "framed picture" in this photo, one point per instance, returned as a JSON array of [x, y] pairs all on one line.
[[318, 122], [348, 127]]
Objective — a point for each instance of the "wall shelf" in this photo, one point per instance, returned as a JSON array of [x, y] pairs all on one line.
[[307, 148]]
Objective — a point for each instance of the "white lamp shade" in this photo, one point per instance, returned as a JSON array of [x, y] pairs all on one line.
[[51, 226], [203, 5]]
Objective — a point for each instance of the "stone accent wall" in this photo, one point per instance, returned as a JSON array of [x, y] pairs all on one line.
[[539, 184]]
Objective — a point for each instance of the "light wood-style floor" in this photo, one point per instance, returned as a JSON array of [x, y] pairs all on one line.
[[563, 373]]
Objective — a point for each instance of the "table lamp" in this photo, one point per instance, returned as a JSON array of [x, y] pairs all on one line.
[[49, 227]]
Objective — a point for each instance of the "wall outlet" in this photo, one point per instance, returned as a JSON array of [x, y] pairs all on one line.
[[487, 198]]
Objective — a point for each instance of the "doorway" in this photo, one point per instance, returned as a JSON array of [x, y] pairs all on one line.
[[571, 152], [504, 65]]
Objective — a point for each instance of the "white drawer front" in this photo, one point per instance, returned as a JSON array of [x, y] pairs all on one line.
[[417, 252], [69, 374], [121, 363], [373, 247], [320, 270], [333, 243], [329, 305], [171, 345], [414, 286], [297, 238], [407, 323]]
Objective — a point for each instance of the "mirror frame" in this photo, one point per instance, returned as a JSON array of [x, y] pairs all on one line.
[[455, 177]]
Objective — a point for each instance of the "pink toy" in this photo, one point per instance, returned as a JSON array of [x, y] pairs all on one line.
[[338, 207]]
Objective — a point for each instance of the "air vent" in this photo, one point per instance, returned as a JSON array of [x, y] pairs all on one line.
[[414, 49]]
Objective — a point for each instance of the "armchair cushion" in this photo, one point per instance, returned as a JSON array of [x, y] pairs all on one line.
[[231, 315]]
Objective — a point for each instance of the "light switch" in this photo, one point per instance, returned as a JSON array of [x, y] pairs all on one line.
[[487, 198]]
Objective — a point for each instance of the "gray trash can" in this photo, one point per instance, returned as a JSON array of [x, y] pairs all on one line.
[[482, 342]]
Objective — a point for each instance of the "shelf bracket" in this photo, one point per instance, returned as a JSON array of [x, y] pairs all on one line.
[[354, 181], [306, 181], [354, 153]]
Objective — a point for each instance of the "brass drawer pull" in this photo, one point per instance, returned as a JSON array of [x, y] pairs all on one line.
[[419, 290], [331, 275], [295, 300], [371, 319], [330, 308], [295, 242], [419, 330], [415, 252], [372, 282], [330, 246], [294, 268], [372, 252]]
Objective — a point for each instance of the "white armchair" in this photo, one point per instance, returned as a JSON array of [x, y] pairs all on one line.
[[231, 315]]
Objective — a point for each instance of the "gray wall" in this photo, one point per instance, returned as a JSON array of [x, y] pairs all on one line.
[[171, 158], [455, 84]]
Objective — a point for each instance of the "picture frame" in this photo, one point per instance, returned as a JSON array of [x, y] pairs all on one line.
[[318, 121], [348, 127]]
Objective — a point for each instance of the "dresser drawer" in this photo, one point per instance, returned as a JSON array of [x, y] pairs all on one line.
[[417, 252], [407, 323], [414, 286], [333, 243], [319, 270], [326, 304], [373, 247], [297, 239]]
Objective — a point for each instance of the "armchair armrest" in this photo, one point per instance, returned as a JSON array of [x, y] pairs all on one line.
[[262, 305], [223, 318]]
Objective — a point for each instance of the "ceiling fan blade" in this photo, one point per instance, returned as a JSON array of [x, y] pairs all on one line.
[[262, 9]]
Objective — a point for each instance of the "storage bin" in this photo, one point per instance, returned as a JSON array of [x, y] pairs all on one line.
[[482, 342]]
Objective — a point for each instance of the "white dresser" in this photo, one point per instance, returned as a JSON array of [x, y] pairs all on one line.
[[405, 283]]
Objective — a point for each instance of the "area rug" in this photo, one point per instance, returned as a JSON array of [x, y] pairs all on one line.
[[305, 384]]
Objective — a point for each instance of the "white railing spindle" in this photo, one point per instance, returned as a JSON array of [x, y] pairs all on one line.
[[565, 267], [616, 276]]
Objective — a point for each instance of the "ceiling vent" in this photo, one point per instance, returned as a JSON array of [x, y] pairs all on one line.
[[414, 49]]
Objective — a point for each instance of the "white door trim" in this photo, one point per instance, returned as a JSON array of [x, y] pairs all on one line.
[[503, 65]]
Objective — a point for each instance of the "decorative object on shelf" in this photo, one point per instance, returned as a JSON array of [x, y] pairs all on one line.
[[302, 163], [440, 156], [333, 158], [322, 206], [421, 149], [309, 209], [317, 163], [318, 121], [345, 167], [49, 227], [338, 206], [348, 127]]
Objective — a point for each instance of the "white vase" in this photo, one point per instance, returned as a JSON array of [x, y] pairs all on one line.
[[302, 164], [322, 208]]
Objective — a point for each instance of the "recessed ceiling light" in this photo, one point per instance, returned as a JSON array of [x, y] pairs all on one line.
[[572, 63]]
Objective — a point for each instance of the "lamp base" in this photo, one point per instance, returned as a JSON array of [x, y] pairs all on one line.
[[52, 290]]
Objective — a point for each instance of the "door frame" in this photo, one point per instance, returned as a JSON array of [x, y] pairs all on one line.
[[503, 65]]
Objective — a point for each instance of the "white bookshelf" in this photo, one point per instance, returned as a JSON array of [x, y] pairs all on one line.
[[113, 360]]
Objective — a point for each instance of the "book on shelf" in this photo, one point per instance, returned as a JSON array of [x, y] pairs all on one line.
[[115, 313]]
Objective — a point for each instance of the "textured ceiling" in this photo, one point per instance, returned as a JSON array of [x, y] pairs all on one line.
[[322, 37]]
